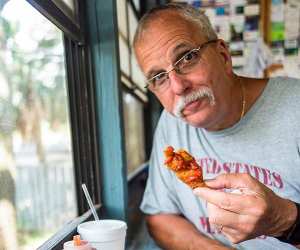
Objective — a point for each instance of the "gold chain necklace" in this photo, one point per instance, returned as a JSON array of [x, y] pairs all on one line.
[[243, 100]]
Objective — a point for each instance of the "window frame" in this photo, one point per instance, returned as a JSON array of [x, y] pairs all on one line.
[[71, 28], [152, 108], [83, 117], [85, 104], [81, 99]]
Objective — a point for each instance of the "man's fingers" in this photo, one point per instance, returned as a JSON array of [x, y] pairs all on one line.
[[237, 203], [230, 181], [218, 216], [236, 226]]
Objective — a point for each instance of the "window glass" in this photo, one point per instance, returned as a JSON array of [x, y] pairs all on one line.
[[37, 194], [122, 17], [134, 131], [124, 56], [136, 73], [133, 23]]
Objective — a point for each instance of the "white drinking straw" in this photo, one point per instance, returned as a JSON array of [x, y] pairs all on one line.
[[89, 200]]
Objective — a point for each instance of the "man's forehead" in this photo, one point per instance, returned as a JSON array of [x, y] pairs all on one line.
[[169, 18], [182, 45], [169, 43], [164, 38], [157, 60], [169, 31]]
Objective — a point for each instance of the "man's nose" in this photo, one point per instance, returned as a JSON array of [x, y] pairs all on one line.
[[178, 83]]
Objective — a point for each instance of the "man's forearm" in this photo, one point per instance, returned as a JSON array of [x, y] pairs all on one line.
[[175, 232]]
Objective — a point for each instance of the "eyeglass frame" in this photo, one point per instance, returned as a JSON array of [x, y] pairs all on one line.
[[178, 61]]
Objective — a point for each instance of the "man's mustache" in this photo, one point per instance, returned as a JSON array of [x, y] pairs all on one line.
[[203, 92]]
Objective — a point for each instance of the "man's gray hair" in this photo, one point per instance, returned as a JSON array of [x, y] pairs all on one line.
[[186, 11]]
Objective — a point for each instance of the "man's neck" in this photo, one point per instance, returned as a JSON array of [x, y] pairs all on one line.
[[244, 94]]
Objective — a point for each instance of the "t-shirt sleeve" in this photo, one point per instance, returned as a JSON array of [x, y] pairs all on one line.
[[159, 196]]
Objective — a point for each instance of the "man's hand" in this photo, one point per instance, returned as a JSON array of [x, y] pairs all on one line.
[[256, 211]]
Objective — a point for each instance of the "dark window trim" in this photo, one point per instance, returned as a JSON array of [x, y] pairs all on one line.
[[58, 17], [83, 122]]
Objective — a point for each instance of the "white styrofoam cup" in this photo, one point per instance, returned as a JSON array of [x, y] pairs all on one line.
[[104, 234]]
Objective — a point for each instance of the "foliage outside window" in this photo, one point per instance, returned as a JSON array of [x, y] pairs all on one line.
[[36, 167]]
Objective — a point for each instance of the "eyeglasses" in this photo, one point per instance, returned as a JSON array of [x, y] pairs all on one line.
[[184, 65]]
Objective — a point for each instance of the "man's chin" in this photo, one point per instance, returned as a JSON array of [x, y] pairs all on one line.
[[196, 120], [197, 124], [186, 119], [183, 114]]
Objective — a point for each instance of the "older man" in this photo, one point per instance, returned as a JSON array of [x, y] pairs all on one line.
[[243, 132]]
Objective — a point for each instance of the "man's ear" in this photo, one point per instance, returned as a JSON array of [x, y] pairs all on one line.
[[224, 52]]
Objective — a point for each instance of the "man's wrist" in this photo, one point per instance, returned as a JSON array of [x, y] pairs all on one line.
[[292, 234]]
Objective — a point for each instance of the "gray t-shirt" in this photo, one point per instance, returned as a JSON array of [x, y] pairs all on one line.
[[265, 144]]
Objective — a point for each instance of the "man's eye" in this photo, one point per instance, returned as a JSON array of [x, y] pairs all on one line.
[[159, 79], [190, 56]]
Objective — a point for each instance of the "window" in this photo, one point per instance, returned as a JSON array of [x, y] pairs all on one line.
[[67, 91], [48, 135], [135, 106], [36, 160], [134, 95]]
